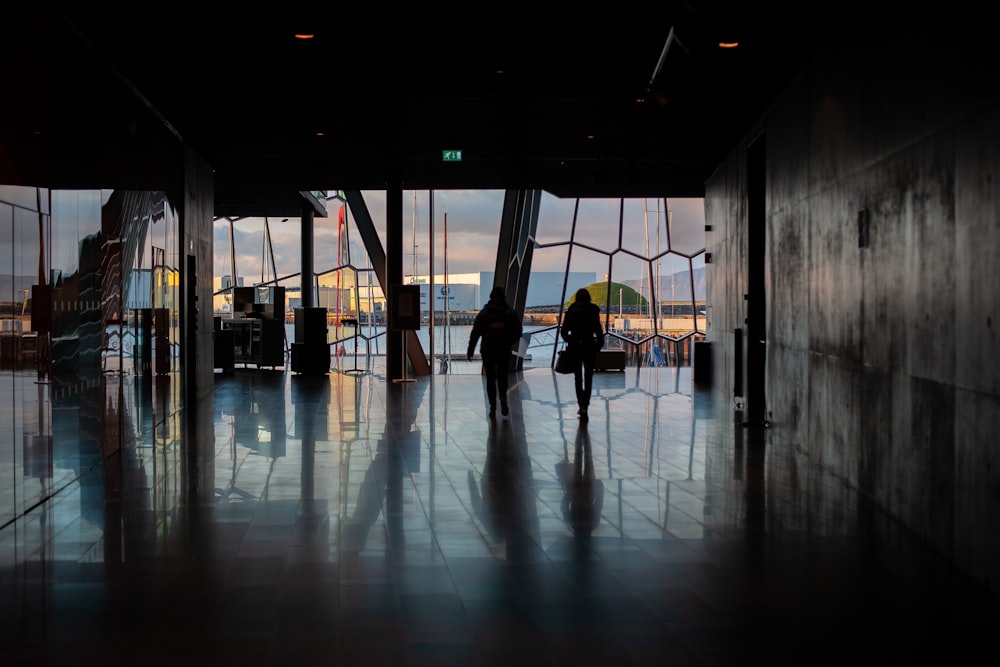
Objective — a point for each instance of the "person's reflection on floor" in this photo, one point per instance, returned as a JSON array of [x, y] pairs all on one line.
[[583, 493], [503, 499], [371, 496]]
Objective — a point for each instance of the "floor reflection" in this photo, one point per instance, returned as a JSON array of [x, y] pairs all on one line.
[[504, 499], [583, 493], [330, 518]]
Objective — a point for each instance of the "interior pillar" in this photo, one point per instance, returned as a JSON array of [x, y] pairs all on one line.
[[393, 273], [308, 300]]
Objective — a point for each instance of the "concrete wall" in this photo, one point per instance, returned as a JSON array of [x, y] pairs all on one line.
[[882, 363], [198, 241]]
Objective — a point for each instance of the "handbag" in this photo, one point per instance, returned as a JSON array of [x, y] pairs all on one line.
[[565, 362]]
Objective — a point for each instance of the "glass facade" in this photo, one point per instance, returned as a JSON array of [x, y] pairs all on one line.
[[89, 286], [89, 281], [649, 259], [642, 259]]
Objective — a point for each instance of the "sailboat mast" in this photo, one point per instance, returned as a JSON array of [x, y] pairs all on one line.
[[263, 253], [447, 296], [340, 271], [413, 224], [645, 222], [657, 303], [670, 227]]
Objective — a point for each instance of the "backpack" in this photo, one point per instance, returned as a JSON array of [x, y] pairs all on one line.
[[498, 334]]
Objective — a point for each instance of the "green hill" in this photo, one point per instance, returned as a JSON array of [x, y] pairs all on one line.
[[620, 294]]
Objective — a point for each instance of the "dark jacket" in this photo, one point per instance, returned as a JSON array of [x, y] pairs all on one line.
[[499, 328], [581, 328]]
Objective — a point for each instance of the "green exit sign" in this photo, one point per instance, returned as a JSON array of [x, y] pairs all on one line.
[[451, 156]]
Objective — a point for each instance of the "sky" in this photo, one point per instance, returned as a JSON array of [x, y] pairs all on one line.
[[473, 220]]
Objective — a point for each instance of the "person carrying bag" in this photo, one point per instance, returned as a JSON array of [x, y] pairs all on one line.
[[564, 362], [584, 336]]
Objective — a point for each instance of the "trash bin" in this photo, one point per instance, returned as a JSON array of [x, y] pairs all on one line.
[[702, 362]]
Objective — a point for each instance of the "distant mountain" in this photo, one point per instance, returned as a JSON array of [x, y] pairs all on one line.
[[675, 287]]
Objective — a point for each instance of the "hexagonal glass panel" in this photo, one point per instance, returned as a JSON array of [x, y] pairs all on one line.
[[643, 231], [588, 269], [597, 224], [630, 301], [338, 293], [686, 225], [555, 219]]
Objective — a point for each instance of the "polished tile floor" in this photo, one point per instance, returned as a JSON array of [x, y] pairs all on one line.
[[345, 519]]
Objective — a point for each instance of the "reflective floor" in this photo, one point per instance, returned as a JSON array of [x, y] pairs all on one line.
[[346, 520]]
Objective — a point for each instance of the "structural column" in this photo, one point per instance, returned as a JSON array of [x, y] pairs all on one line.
[[307, 258], [393, 273], [310, 351]]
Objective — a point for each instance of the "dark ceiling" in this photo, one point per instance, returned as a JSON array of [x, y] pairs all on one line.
[[573, 108]]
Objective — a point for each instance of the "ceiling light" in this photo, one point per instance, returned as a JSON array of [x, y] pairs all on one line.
[[728, 45], [304, 35]]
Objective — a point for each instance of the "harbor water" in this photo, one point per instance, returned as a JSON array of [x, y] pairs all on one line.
[[363, 347]]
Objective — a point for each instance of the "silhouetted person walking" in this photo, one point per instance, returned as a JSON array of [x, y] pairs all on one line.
[[499, 328], [584, 336]]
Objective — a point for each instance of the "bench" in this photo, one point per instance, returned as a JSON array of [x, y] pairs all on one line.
[[610, 360]]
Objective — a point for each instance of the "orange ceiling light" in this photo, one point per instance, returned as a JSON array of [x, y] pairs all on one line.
[[728, 45], [304, 35]]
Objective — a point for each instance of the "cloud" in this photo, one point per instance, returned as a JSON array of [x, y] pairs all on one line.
[[473, 224]]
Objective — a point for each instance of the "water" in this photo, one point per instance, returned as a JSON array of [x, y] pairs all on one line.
[[451, 341], [366, 350]]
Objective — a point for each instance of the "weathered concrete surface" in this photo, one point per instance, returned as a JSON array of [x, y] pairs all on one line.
[[882, 365]]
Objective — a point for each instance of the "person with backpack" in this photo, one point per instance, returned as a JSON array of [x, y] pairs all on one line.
[[499, 328]]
